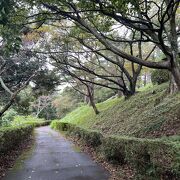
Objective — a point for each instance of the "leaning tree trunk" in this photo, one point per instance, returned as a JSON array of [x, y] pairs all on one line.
[[7, 106], [94, 106], [14, 95], [91, 99], [175, 59], [175, 80]]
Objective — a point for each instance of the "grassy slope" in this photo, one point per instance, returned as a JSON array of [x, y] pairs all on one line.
[[150, 112]]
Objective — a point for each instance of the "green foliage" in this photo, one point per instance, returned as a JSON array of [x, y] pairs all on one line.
[[9, 28], [8, 117], [4, 11], [120, 6], [45, 82], [113, 150], [148, 87], [12, 40], [23, 101], [159, 76], [11, 137], [92, 138], [151, 158], [76, 96], [48, 113], [29, 120], [18, 70], [57, 125], [38, 124], [67, 101]]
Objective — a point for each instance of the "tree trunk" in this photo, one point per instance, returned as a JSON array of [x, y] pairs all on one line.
[[119, 93], [13, 97], [86, 99], [145, 78], [91, 99], [7, 106], [174, 80], [175, 60], [94, 107]]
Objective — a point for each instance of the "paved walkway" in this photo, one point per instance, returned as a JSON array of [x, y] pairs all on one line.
[[55, 158]]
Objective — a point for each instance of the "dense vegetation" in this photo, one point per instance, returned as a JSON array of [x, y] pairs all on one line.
[[13, 136], [16, 133]]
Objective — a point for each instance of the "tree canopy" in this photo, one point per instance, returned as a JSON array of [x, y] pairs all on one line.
[[89, 43]]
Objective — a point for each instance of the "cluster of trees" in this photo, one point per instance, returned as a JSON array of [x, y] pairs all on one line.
[[104, 43]]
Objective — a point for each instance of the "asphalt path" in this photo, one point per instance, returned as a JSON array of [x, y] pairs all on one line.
[[53, 157]]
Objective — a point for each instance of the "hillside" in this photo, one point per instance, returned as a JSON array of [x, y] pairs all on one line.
[[150, 113]]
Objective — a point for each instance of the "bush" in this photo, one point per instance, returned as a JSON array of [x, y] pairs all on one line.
[[159, 76], [92, 138], [38, 124], [113, 150], [12, 136], [8, 117], [29, 120], [57, 125], [151, 158]]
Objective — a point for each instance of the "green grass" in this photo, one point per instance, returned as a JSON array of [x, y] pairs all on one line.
[[151, 112], [83, 114]]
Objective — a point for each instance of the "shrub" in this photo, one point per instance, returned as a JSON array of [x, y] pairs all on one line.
[[92, 138], [38, 124], [12, 136], [159, 76], [8, 117], [151, 158], [113, 150], [30, 120], [57, 125]]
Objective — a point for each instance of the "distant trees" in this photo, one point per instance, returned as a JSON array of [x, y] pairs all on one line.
[[64, 103], [43, 107]]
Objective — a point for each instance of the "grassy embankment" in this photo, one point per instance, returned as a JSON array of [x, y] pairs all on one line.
[[150, 113]]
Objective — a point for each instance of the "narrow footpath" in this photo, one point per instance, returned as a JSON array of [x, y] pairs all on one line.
[[55, 158]]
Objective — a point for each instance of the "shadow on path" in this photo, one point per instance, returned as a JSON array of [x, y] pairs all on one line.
[[55, 158]]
